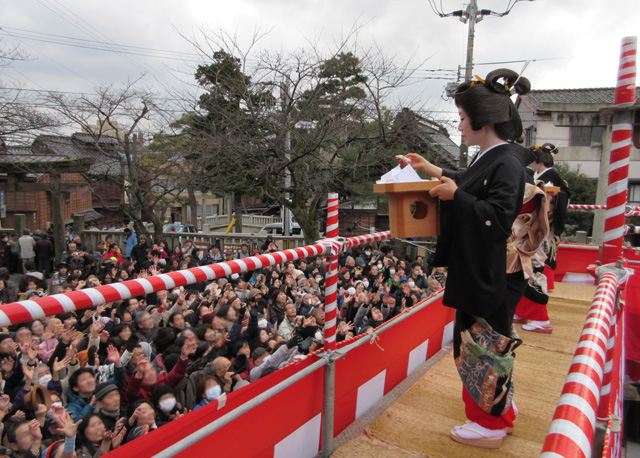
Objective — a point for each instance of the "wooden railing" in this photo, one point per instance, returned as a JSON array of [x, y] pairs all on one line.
[[91, 238], [247, 220]]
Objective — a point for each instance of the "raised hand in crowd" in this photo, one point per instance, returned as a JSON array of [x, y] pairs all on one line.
[[4, 406], [7, 364], [19, 416], [113, 356], [30, 372], [64, 421], [188, 348], [34, 429], [58, 366], [223, 338], [48, 333], [41, 413]]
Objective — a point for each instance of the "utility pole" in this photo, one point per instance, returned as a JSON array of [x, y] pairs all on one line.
[[471, 15], [286, 217]]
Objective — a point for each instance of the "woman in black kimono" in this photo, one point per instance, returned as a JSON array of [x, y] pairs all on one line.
[[478, 208]]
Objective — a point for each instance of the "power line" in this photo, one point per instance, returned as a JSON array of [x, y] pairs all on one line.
[[141, 48], [93, 32], [105, 48]]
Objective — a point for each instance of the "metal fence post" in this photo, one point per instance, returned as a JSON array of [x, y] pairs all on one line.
[[331, 315]]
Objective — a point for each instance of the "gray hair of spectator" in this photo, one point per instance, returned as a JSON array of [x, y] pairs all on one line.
[[141, 316]]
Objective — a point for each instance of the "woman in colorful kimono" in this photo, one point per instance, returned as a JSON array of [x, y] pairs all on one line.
[[478, 208], [545, 172]]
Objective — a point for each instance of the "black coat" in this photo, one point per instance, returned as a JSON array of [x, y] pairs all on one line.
[[139, 254], [474, 229]]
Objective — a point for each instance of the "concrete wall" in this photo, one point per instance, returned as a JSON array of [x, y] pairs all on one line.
[[593, 161]]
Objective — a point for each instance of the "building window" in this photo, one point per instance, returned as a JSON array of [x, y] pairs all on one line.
[[586, 135], [529, 136], [634, 193], [212, 209]]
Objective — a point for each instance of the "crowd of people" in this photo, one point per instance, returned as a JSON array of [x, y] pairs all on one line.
[[91, 380]]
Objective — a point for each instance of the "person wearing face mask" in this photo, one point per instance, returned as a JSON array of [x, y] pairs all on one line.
[[440, 274], [167, 407], [403, 295], [49, 382], [418, 277], [208, 390], [366, 257]]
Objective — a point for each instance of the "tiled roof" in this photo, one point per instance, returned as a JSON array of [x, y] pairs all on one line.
[[59, 145], [13, 156], [425, 136], [66, 146], [603, 96], [87, 138], [20, 150]]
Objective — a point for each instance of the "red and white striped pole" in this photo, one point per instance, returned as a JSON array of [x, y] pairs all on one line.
[[331, 275], [20, 312], [586, 207], [615, 399], [620, 150], [330, 322], [573, 427]]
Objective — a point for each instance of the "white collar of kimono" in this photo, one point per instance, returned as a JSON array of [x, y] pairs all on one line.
[[536, 175], [481, 153]]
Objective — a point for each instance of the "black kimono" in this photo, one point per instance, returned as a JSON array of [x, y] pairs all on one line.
[[560, 201], [475, 226]]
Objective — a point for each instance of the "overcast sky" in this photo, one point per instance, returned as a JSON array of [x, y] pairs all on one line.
[[575, 43]]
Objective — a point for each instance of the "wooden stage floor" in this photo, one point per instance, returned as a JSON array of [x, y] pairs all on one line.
[[418, 423]]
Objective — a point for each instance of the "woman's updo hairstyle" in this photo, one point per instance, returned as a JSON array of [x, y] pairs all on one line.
[[544, 154], [488, 102]]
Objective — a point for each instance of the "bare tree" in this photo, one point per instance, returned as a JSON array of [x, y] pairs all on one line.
[[21, 115], [119, 121]]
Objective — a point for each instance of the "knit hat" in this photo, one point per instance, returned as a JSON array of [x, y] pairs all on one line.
[[3, 271], [105, 388], [160, 391], [4, 337], [258, 352], [254, 292]]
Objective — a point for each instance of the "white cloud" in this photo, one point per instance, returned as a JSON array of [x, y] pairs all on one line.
[[583, 36]]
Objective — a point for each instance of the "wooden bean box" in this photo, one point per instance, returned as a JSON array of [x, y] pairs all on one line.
[[412, 211]]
